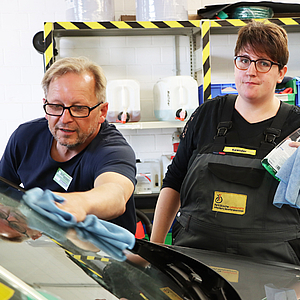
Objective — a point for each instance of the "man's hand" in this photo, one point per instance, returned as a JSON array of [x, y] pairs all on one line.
[[74, 204]]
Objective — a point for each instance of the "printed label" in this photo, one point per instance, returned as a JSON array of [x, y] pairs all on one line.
[[240, 150], [229, 203], [229, 274], [62, 178]]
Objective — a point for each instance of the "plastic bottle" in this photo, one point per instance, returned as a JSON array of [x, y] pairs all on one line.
[[276, 158]]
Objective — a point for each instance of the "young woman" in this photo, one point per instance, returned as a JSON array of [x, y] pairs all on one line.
[[216, 187]]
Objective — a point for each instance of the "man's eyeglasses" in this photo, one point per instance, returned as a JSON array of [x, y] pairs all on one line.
[[76, 111], [261, 65], [15, 224]]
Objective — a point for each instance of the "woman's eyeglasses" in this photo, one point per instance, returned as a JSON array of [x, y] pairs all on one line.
[[261, 65]]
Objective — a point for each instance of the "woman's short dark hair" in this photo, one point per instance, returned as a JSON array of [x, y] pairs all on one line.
[[264, 38]]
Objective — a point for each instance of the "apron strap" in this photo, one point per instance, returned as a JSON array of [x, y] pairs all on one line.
[[270, 134], [225, 124], [273, 132]]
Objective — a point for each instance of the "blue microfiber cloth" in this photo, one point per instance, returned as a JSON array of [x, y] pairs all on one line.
[[109, 237], [289, 186]]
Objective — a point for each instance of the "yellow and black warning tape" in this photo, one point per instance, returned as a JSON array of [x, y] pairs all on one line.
[[49, 47], [240, 23], [205, 32], [50, 27], [125, 25]]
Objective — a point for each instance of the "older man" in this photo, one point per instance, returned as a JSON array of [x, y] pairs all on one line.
[[73, 150]]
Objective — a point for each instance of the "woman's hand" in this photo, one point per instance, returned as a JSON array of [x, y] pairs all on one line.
[[294, 144]]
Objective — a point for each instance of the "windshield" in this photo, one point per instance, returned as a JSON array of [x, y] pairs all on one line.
[[41, 259]]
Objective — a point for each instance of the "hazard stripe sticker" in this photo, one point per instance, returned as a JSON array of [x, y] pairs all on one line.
[[124, 25]]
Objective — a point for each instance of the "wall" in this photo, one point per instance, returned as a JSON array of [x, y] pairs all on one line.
[[21, 66]]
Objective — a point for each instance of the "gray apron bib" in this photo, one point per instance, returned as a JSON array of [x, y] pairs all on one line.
[[226, 199]]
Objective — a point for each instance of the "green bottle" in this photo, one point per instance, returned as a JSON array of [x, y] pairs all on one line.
[[277, 157]]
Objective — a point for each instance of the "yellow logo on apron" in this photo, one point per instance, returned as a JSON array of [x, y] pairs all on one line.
[[239, 150], [229, 203]]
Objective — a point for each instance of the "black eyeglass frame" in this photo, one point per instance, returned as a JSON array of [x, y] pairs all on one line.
[[69, 109], [255, 61]]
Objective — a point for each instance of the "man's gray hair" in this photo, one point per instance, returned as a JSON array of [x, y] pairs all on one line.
[[77, 65]]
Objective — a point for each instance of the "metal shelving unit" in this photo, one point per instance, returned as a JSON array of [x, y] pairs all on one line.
[[117, 28], [53, 30]]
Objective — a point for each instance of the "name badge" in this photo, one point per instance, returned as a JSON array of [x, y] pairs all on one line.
[[62, 178], [229, 203], [239, 150]]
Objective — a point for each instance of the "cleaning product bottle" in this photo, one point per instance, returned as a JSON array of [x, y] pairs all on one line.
[[276, 158]]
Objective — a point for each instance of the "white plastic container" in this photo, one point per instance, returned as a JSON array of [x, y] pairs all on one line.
[[161, 10], [123, 97], [175, 98], [90, 10], [148, 177]]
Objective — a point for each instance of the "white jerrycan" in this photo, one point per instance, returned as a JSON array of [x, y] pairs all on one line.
[[175, 98], [123, 97]]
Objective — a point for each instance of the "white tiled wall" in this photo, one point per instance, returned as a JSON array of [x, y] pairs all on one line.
[[145, 59], [21, 66]]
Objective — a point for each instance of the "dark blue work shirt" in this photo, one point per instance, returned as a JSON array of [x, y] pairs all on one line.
[[27, 160]]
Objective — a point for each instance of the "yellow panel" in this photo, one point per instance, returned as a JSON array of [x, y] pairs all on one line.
[[121, 24], [195, 22], [206, 80], [47, 28], [173, 24], [49, 54], [263, 20], [5, 292], [288, 21], [237, 22], [147, 24], [104, 259], [206, 52], [215, 24], [67, 25], [205, 27], [94, 25]]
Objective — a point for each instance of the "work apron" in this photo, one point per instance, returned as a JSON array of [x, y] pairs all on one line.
[[227, 199]]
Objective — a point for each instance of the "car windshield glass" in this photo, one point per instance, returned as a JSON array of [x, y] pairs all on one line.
[[44, 260]]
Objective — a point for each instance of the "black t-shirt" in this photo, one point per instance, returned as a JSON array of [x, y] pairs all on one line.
[[202, 127]]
